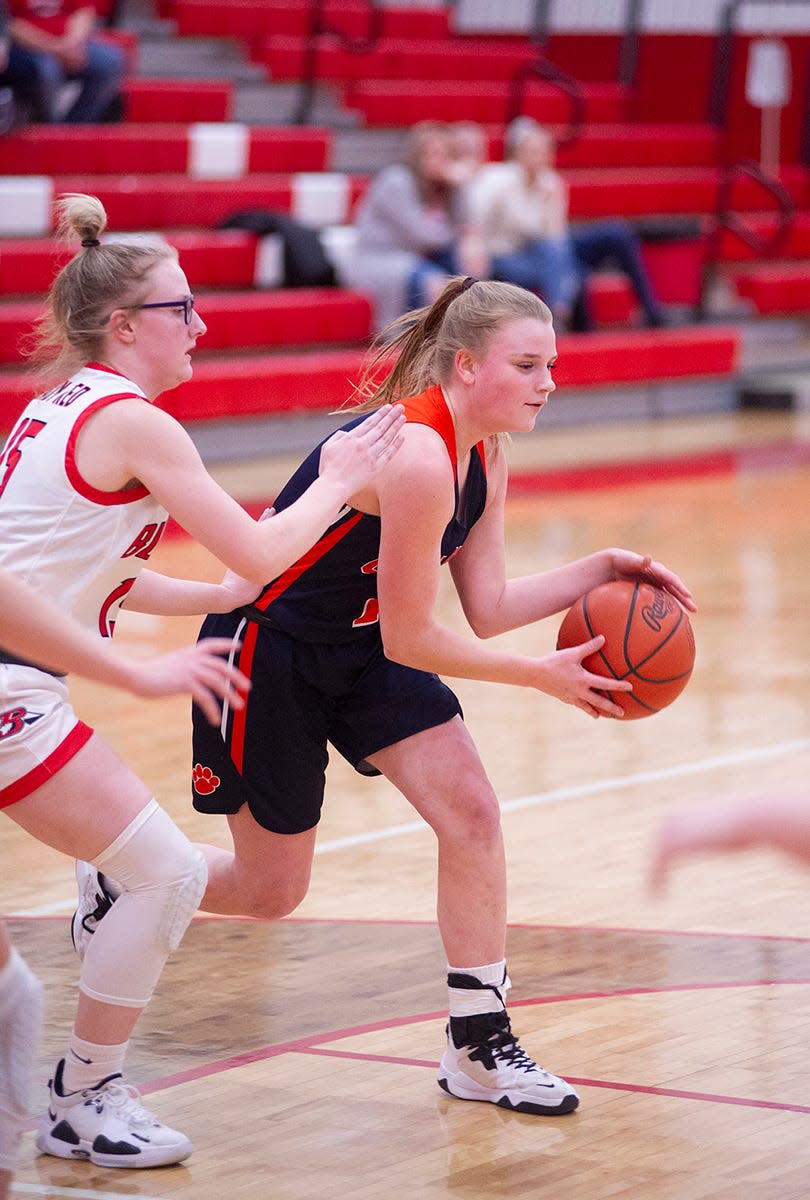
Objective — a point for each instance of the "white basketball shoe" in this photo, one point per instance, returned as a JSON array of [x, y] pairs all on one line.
[[485, 1061]]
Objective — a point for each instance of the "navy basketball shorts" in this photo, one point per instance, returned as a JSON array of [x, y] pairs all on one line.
[[272, 754]]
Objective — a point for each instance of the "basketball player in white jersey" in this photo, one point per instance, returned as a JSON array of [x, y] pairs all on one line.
[[32, 626], [87, 478]]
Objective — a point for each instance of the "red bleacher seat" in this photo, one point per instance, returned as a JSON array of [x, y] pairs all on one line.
[[28, 265], [775, 287], [610, 299], [178, 99], [175, 201], [251, 20], [644, 145], [290, 317], [322, 380], [102, 149], [210, 258], [395, 59], [663, 190], [390, 102], [797, 245], [147, 149]]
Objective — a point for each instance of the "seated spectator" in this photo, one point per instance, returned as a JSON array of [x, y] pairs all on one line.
[[52, 44], [469, 149], [524, 221], [409, 228], [8, 107]]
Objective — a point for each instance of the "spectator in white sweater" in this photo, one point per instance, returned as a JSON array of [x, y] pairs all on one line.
[[522, 212]]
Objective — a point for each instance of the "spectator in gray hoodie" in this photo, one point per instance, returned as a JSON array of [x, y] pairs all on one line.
[[410, 226]]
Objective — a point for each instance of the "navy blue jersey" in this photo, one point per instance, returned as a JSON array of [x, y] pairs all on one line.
[[330, 593]]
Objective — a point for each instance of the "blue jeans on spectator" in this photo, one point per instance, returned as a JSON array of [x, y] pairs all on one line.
[[36, 79], [547, 266], [615, 243]]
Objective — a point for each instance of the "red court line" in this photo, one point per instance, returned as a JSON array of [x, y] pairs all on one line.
[[613, 1085], [767, 455], [734, 935], [315, 1040], [313, 1044], [203, 918]]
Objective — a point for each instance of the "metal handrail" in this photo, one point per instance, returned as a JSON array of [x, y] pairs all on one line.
[[726, 219], [318, 25], [557, 77]]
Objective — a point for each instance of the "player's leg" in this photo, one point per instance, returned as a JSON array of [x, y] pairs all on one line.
[[20, 1023], [440, 772], [95, 809], [264, 769], [266, 876]]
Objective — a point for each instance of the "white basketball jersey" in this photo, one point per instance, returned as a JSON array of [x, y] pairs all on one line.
[[81, 547]]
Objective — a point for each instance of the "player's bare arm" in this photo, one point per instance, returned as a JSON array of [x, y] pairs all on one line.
[[133, 441], [416, 502]]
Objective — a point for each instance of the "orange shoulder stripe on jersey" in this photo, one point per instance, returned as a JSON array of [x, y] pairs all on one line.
[[430, 408]]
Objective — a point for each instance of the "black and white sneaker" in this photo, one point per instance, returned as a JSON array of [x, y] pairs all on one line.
[[97, 894], [108, 1126], [485, 1061]]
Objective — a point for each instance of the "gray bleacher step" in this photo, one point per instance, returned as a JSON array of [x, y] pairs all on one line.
[[364, 151], [257, 99], [774, 343], [141, 17], [195, 58], [278, 104]]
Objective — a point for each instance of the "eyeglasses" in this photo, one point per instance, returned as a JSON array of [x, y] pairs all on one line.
[[187, 305]]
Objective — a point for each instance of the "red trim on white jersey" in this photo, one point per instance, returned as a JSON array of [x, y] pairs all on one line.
[[78, 482], [79, 735]]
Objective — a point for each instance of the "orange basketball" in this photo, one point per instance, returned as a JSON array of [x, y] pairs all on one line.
[[648, 640]]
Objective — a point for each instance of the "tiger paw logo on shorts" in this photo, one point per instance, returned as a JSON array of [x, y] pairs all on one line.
[[204, 780]]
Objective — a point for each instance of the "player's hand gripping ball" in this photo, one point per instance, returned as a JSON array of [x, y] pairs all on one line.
[[648, 640]]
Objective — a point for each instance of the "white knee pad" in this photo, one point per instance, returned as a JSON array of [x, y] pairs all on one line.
[[162, 877], [21, 1006]]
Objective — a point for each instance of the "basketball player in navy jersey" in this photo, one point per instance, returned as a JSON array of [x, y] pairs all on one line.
[[345, 647]]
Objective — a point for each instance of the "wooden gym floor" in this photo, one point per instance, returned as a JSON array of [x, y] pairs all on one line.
[[300, 1057]]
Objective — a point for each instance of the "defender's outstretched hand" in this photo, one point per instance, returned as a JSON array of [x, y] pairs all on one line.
[[199, 670], [32, 627], [357, 455]]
